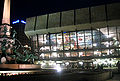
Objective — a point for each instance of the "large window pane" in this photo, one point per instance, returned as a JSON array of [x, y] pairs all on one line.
[[67, 54], [45, 55], [97, 52], [105, 52], [40, 39], [96, 32], [66, 41], [89, 53], [112, 30], [73, 40], [82, 53], [46, 46], [74, 54], [96, 38], [104, 31], [34, 42], [104, 38], [60, 54], [81, 43], [59, 41], [54, 55], [113, 40], [88, 39], [46, 39], [53, 42]]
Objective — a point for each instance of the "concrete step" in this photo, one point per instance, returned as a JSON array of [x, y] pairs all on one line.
[[112, 80]]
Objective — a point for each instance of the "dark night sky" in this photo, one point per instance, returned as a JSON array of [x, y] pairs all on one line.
[[21, 9]]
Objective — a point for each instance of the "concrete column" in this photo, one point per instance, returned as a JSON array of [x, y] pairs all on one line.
[[6, 12]]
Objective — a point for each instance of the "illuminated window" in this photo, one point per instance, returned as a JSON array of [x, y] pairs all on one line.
[[81, 43], [59, 41], [60, 54], [35, 44], [40, 39], [89, 53], [105, 52], [74, 54], [53, 42], [73, 40], [82, 53], [54, 54], [66, 41], [97, 52], [67, 54]]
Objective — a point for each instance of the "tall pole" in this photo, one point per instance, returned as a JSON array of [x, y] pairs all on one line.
[[6, 12], [5, 32]]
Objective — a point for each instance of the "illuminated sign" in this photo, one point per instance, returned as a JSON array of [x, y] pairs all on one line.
[[18, 21]]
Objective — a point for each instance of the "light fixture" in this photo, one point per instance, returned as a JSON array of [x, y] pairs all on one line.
[[17, 21]]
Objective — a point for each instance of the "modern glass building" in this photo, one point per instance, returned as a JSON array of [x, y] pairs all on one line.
[[81, 38]]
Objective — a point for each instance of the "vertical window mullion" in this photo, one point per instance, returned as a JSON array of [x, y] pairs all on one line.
[[63, 44], [108, 39], [100, 42], [70, 43], [37, 43], [92, 39], [84, 43], [77, 43], [50, 44]]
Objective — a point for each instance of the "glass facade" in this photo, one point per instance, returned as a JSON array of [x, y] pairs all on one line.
[[92, 42]]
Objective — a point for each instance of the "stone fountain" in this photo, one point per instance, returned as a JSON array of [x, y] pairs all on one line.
[[10, 57]]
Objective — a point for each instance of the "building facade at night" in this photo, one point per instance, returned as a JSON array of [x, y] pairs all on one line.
[[83, 37]]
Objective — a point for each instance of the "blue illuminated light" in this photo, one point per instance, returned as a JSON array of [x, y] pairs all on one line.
[[14, 22], [18, 21], [22, 21], [64, 32]]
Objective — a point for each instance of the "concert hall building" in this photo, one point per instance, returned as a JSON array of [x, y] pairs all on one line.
[[83, 37]]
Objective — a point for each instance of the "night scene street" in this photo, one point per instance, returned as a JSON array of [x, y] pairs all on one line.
[[60, 40]]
